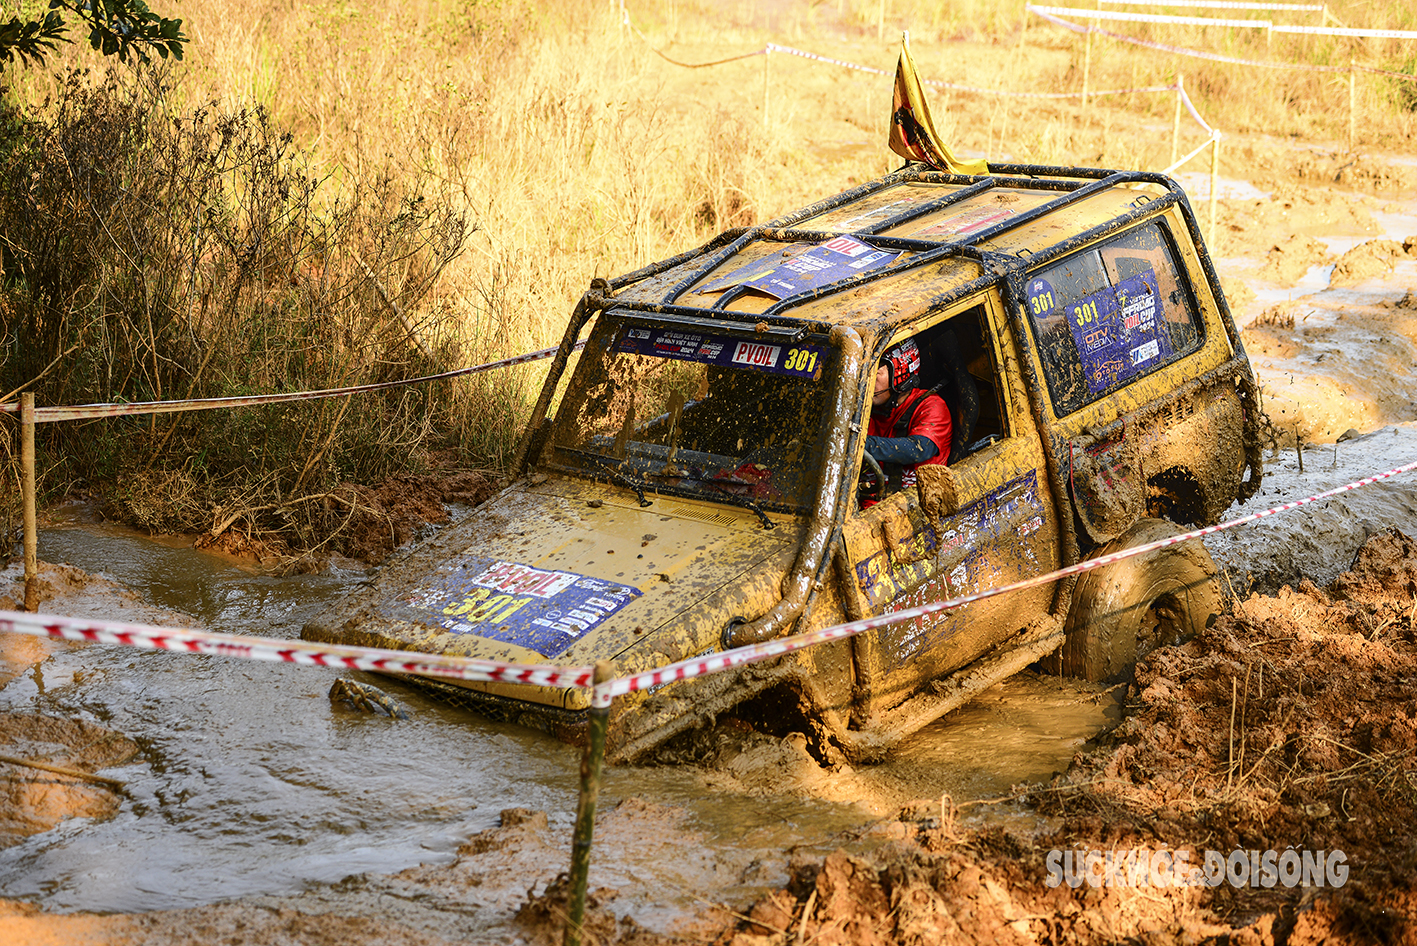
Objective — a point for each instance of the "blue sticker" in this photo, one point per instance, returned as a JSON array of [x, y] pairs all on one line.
[[1118, 331], [797, 360], [541, 610], [752, 270], [1041, 300], [829, 262]]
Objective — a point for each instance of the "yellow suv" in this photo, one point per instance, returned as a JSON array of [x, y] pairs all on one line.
[[695, 479]]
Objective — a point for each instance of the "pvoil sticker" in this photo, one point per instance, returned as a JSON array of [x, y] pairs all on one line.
[[540, 609]]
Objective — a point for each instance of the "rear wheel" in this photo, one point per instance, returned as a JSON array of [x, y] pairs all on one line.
[[1124, 611]]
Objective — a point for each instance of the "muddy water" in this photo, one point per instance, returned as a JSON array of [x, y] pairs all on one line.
[[250, 782]]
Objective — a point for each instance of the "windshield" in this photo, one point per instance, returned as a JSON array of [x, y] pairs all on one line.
[[727, 416]]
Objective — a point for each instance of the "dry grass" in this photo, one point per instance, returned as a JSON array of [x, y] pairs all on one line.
[[569, 150]]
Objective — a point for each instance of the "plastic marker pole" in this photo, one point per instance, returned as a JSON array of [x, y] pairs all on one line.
[[1352, 99], [591, 764], [1214, 184], [27, 497], [1176, 122]]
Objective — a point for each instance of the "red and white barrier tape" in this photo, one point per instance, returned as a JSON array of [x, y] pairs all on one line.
[[939, 83], [44, 415], [1347, 31], [1213, 57], [687, 669], [1213, 21], [1216, 5], [190, 641], [1199, 148], [1152, 18], [393, 661]]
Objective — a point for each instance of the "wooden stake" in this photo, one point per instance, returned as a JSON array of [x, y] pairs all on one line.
[[27, 494], [591, 764]]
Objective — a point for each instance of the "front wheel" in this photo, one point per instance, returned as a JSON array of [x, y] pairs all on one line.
[[1124, 611]]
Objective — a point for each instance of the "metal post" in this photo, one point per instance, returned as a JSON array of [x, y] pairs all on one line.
[[591, 763], [1214, 186], [27, 496], [1176, 121]]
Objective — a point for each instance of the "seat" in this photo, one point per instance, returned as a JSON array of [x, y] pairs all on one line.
[[945, 373]]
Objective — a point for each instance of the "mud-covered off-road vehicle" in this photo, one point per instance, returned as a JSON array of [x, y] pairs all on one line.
[[693, 480]]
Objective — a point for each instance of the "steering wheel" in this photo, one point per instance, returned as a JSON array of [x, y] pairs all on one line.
[[879, 491]]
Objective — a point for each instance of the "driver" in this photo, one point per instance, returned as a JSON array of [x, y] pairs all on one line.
[[909, 426]]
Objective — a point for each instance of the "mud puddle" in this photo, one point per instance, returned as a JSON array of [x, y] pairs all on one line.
[[248, 781]]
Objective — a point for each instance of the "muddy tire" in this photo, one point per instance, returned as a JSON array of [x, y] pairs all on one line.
[[1124, 611]]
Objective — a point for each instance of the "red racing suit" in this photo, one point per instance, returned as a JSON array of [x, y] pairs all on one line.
[[919, 413]]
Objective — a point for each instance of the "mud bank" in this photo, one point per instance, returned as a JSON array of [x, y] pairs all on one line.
[[350, 520], [1290, 724]]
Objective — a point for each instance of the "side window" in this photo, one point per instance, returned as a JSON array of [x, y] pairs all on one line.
[[1110, 314]]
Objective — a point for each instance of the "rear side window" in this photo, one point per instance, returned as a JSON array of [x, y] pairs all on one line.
[[1111, 314]]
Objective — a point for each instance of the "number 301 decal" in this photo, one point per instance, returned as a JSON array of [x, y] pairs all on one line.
[[801, 359]]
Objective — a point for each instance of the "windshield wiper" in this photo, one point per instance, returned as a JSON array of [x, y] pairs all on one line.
[[620, 476], [762, 516], [624, 479]]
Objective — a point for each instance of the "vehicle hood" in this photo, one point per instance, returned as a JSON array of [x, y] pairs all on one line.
[[568, 572]]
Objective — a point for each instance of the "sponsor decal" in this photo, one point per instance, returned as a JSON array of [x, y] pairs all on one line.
[[837, 259], [1117, 330], [955, 560], [798, 360], [756, 356], [967, 223], [542, 610]]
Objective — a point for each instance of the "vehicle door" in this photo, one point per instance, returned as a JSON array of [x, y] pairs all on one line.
[[898, 553]]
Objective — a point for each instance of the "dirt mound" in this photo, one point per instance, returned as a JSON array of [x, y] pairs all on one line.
[[1370, 260], [1285, 163], [1291, 724], [1251, 224], [33, 800], [224, 923], [378, 519], [55, 581], [1289, 259], [361, 522]]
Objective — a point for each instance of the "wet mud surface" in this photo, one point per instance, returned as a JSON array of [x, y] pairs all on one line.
[[1291, 722]]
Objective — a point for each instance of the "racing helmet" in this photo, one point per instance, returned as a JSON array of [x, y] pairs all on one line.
[[903, 359]]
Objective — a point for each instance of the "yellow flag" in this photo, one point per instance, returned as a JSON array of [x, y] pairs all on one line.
[[913, 134]]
